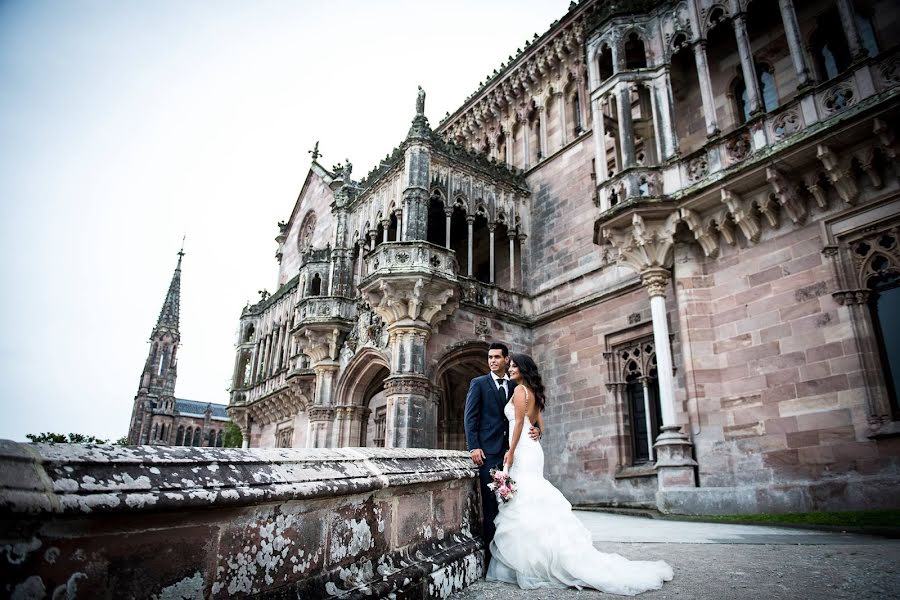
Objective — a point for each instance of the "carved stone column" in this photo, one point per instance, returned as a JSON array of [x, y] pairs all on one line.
[[561, 102], [751, 81], [706, 92], [319, 428], [448, 213], [398, 213], [512, 259], [646, 246], [848, 22], [794, 40], [470, 220], [491, 229], [385, 226], [626, 125], [599, 141]]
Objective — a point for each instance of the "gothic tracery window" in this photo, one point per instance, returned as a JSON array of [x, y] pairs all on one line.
[[633, 379], [284, 437], [307, 229]]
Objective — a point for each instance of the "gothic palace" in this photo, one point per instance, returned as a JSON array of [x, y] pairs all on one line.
[[687, 212]]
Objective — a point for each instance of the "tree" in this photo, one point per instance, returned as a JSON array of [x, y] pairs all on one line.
[[58, 438], [233, 437]]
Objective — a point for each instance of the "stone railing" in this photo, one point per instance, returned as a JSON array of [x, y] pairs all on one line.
[[492, 296], [152, 522], [315, 309], [400, 258]]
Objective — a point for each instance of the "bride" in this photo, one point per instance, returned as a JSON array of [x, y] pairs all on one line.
[[539, 542]]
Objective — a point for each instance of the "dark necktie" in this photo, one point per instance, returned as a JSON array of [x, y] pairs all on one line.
[[501, 390]]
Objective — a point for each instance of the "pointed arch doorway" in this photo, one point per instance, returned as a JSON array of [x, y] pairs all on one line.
[[452, 374]]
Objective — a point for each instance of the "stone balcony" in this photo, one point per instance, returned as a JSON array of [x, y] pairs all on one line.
[[785, 130], [410, 258]]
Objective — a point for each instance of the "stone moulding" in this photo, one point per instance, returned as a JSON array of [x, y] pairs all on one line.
[[153, 522]]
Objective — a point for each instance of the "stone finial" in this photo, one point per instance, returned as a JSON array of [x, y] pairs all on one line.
[[315, 151]]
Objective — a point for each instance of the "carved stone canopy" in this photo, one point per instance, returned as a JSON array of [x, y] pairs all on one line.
[[645, 243], [412, 298]]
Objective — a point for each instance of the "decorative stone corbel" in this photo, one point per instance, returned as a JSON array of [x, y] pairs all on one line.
[[319, 345], [744, 218], [887, 139], [839, 174], [866, 158], [719, 221], [788, 195], [701, 233], [767, 204], [811, 181]]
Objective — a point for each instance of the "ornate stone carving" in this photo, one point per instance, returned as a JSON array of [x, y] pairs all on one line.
[[698, 168], [482, 328], [738, 148], [838, 98], [319, 345], [839, 174], [811, 181], [889, 71], [655, 280], [866, 158], [418, 299], [701, 234], [644, 245], [407, 384], [742, 215], [787, 123], [787, 194]]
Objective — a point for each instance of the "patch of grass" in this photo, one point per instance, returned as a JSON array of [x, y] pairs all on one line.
[[865, 518]]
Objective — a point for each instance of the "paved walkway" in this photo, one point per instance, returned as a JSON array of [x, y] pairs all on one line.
[[714, 561]]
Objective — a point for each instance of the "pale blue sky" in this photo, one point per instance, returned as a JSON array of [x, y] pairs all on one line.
[[127, 124]]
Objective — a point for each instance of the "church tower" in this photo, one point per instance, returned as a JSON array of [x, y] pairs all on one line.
[[154, 405]]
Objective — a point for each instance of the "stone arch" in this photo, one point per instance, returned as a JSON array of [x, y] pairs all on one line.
[[451, 373], [362, 384]]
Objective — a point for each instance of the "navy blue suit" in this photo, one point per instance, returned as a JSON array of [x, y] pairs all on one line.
[[487, 428]]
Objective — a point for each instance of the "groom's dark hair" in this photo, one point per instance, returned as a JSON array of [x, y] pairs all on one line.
[[501, 347]]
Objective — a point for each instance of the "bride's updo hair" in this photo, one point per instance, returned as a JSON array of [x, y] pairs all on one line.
[[530, 376]]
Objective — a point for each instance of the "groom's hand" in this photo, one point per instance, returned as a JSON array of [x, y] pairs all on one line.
[[534, 433], [477, 456]]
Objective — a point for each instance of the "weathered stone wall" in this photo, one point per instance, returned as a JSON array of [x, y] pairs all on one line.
[[317, 197], [156, 522]]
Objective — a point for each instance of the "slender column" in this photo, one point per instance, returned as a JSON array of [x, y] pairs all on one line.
[[522, 259], [359, 263], [285, 362], [848, 22], [512, 260], [268, 363], [626, 126], [526, 145], [645, 382], [656, 280], [491, 228], [471, 221], [372, 235], [792, 33], [332, 260], [599, 141], [665, 118], [542, 139], [399, 214], [449, 215], [385, 225], [561, 102], [706, 93], [751, 81], [581, 84]]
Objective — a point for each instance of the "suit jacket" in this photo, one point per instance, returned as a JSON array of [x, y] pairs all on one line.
[[486, 425]]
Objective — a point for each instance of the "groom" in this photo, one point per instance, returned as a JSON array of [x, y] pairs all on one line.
[[487, 431]]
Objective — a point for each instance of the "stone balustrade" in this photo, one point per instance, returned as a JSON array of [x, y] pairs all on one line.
[[494, 297], [325, 309], [158, 522], [401, 258]]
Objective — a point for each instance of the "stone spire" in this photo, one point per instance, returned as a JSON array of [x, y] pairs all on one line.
[[168, 316]]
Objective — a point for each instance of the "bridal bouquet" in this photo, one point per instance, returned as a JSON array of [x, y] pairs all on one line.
[[503, 486]]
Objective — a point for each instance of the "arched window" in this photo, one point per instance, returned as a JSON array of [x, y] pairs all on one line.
[[635, 53], [767, 87], [605, 63], [197, 441], [315, 286], [741, 97], [866, 32], [164, 361], [741, 100], [249, 333], [220, 438], [576, 112], [179, 436], [155, 432], [829, 46], [884, 308]]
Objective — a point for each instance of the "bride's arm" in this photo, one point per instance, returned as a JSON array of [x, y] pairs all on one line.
[[518, 401]]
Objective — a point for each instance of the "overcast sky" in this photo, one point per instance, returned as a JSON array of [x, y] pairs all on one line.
[[125, 125]]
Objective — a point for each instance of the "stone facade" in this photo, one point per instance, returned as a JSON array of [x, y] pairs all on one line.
[[158, 417], [687, 212]]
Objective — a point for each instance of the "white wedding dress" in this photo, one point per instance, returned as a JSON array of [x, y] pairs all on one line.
[[540, 543]]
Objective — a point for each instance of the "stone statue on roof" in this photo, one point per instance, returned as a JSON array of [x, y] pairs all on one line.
[[420, 102]]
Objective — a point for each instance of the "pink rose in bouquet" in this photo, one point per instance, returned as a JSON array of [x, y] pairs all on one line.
[[503, 486]]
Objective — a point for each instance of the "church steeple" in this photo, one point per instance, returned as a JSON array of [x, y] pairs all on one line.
[[155, 400], [168, 316]]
